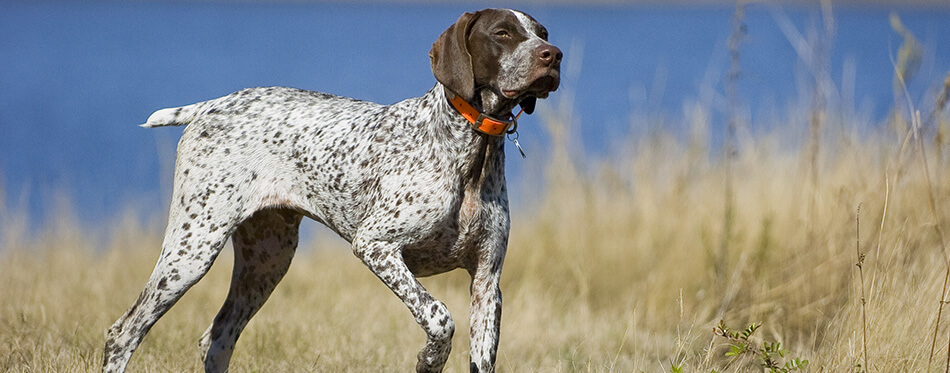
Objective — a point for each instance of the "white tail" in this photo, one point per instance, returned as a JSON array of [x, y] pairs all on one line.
[[175, 116]]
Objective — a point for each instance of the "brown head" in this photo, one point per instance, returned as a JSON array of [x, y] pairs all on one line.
[[496, 59]]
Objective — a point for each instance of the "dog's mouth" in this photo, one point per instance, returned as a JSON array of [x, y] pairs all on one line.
[[509, 93], [540, 87]]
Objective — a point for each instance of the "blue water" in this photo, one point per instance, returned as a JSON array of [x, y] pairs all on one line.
[[77, 77]]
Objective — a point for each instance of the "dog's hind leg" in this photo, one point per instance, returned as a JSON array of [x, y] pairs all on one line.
[[264, 245], [199, 225], [189, 249]]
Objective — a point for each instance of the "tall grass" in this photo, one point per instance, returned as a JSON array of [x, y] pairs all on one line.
[[619, 267]]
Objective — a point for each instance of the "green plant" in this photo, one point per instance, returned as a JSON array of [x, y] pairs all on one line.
[[676, 368], [769, 356]]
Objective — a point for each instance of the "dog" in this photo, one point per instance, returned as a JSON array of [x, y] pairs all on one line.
[[417, 187]]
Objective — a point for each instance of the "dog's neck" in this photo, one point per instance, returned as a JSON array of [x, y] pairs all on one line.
[[480, 122], [480, 152], [459, 126]]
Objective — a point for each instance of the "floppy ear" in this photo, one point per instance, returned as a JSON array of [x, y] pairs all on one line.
[[528, 104], [451, 61]]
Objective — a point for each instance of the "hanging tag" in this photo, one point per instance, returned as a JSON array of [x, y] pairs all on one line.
[[517, 144]]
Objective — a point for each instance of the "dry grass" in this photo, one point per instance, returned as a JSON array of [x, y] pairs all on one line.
[[619, 268]]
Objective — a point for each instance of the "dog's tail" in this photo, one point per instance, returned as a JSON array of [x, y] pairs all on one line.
[[176, 116]]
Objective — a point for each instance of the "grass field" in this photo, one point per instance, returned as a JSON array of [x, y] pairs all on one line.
[[625, 263]]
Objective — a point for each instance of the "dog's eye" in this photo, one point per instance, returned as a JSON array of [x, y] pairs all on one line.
[[502, 33]]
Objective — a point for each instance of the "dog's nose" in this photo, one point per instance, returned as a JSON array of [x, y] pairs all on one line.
[[549, 54]]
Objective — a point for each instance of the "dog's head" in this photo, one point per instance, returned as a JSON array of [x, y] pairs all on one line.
[[496, 59]]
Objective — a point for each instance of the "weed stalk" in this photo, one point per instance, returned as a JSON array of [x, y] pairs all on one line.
[[819, 109], [729, 148], [860, 265], [915, 122]]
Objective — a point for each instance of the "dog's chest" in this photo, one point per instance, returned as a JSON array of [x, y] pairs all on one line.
[[463, 215], [452, 240]]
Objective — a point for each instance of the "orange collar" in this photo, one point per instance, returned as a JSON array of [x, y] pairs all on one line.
[[481, 122]]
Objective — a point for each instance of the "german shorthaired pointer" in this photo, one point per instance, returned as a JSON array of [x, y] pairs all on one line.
[[417, 188]]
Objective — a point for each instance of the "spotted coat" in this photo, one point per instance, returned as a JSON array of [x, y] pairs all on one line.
[[411, 186]]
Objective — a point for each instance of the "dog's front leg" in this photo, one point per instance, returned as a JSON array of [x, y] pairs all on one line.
[[486, 309], [385, 260]]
